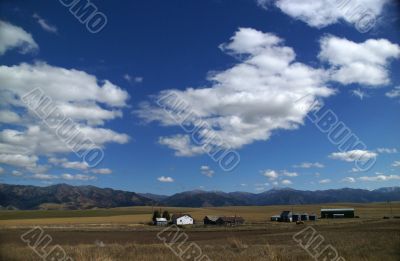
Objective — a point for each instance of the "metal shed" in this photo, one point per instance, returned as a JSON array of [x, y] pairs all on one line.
[[337, 213]]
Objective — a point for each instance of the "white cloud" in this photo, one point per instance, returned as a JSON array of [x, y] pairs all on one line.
[[355, 170], [271, 174], [349, 180], [12, 37], [286, 182], [387, 150], [44, 24], [182, 145], [7, 116], [321, 13], [290, 174], [396, 164], [103, 171], [83, 98], [380, 178], [18, 160], [137, 79], [79, 177], [44, 176], [246, 103], [395, 93], [354, 155], [264, 3], [307, 165], [359, 94], [207, 171], [351, 61], [17, 173], [324, 181], [165, 179], [75, 165]]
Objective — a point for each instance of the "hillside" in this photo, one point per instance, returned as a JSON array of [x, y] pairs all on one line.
[[64, 196]]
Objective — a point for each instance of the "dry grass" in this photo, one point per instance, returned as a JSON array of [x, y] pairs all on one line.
[[122, 237], [141, 215]]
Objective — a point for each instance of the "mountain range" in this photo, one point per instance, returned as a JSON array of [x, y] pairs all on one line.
[[63, 196]]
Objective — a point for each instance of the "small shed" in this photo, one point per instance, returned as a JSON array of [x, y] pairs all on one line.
[[182, 219], [304, 217], [161, 222], [337, 213], [313, 217], [275, 218], [296, 217], [286, 216], [210, 220], [230, 221]]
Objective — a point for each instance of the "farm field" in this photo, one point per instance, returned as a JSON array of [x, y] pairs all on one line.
[[122, 234]]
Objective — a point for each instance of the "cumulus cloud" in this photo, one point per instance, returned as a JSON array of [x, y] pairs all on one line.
[[349, 180], [17, 173], [165, 179], [290, 174], [81, 97], [103, 171], [379, 178], [44, 24], [394, 93], [286, 182], [321, 13], [182, 145], [7, 116], [44, 176], [207, 171], [324, 181], [396, 164], [18, 160], [75, 165], [249, 101], [351, 62], [271, 174], [354, 155], [308, 165], [79, 177], [14, 37]]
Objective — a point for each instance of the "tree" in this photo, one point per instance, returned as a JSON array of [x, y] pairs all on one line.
[[166, 215], [156, 214]]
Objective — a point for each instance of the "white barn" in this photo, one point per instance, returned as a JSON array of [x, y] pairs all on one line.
[[183, 219]]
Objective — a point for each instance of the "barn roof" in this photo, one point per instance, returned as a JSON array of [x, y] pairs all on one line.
[[337, 209], [212, 218]]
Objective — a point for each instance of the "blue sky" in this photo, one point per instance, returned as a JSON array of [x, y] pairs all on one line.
[[247, 62]]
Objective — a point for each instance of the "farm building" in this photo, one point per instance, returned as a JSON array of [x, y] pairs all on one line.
[[337, 213], [161, 222], [182, 219], [230, 221], [275, 218], [296, 217], [313, 217], [210, 220], [286, 216], [304, 217]]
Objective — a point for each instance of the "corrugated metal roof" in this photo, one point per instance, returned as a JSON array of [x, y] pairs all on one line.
[[337, 209]]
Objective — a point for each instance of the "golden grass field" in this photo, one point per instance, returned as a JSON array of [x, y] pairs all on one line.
[[123, 233]]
